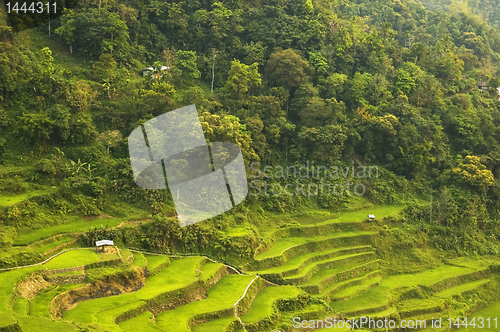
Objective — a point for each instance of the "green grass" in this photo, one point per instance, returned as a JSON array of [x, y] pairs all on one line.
[[311, 220], [104, 257], [383, 313], [375, 297], [209, 269], [270, 220], [11, 200], [139, 259], [285, 243], [457, 290], [101, 273], [355, 216], [21, 306], [415, 304], [177, 275], [141, 323], [239, 230], [349, 291], [40, 304], [333, 261], [73, 258], [297, 261], [345, 217], [492, 311], [62, 57], [339, 330], [40, 324], [322, 274], [218, 298], [155, 261], [216, 325], [262, 305], [426, 278], [339, 286], [107, 317], [6, 320], [8, 281], [28, 237], [326, 329], [482, 262], [48, 246]]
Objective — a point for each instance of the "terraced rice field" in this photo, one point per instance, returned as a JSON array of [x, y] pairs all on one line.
[[332, 270], [176, 276]]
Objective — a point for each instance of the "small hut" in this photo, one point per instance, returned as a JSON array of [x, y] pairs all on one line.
[[154, 72], [483, 86], [371, 217], [103, 244]]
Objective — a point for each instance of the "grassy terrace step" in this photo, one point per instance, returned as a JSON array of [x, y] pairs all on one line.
[[415, 307], [8, 280], [426, 278], [6, 320], [42, 248], [219, 325], [40, 324], [263, 304], [78, 257], [379, 298], [325, 278], [353, 216], [350, 292], [309, 312], [179, 274], [14, 199], [296, 264], [156, 287], [492, 311], [460, 289], [320, 266], [374, 300], [286, 243], [340, 222], [30, 236], [357, 280], [141, 322], [219, 303], [389, 312], [40, 305], [156, 261]]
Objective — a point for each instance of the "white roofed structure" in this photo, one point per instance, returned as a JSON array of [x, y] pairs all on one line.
[[104, 243], [154, 72]]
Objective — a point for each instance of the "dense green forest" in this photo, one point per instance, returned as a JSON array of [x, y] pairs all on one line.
[[406, 89], [380, 83]]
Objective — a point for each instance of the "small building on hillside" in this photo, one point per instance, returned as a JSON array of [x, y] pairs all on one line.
[[104, 244], [154, 72], [483, 86], [371, 217]]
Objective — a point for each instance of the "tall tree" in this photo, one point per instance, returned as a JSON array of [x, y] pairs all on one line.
[[286, 68]]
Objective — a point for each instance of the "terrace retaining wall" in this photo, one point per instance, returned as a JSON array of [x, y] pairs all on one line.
[[66, 270], [69, 279]]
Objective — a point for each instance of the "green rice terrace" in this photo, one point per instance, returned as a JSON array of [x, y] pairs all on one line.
[[339, 266]]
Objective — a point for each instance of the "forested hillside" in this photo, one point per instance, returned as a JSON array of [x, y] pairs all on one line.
[[383, 83], [403, 86]]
